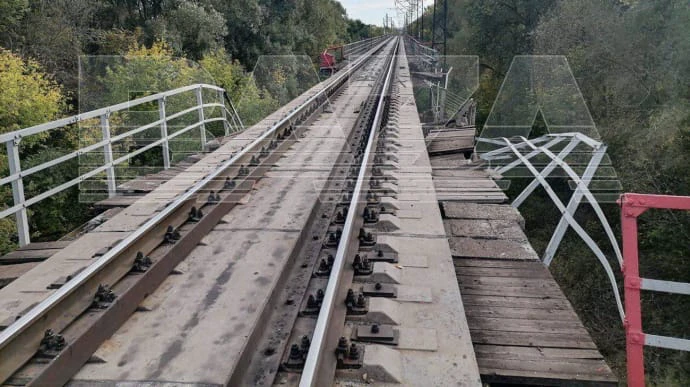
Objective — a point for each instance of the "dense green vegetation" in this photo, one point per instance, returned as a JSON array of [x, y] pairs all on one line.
[[631, 59], [59, 57]]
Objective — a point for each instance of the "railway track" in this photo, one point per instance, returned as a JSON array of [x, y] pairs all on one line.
[[50, 342], [313, 254], [308, 250], [70, 324]]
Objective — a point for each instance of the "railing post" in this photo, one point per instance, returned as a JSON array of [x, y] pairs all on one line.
[[226, 124], [236, 115], [634, 337], [165, 147], [18, 192], [108, 155], [202, 127]]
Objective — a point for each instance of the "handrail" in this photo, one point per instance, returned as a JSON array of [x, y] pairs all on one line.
[[95, 146], [19, 134], [17, 173], [632, 206]]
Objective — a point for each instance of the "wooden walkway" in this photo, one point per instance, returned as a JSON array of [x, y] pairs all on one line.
[[133, 190], [523, 328], [456, 180], [20, 261], [445, 140]]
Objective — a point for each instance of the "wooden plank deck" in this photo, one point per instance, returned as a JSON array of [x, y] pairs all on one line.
[[456, 179], [524, 330], [136, 188], [9, 273], [16, 263], [445, 140], [33, 252], [118, 201]]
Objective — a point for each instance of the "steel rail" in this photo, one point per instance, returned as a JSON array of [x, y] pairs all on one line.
[[318, 342], [15, 330]]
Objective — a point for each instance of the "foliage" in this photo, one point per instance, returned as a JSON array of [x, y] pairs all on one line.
[[147, 71], [225, 72], [53, 32], [194, 30], [252, 103], [356, 30], [29, 97], [57, 32], [11, 12], [631, 60]]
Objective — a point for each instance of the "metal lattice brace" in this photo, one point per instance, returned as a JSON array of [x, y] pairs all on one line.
[[567, 220], [632, 206], [582, 182]]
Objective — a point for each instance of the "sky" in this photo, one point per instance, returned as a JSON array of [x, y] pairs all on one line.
[[370, 11]]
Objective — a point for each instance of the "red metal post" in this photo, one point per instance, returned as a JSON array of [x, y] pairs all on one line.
[[634, 338], [632, 206]]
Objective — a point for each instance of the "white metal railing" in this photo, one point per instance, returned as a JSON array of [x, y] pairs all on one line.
[[427, 57], [360, 47], [228, 117]]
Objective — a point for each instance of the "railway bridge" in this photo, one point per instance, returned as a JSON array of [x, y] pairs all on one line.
[[325, 245]]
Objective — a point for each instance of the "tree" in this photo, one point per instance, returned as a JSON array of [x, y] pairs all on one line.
[[496, 31], [252, 103], [631, 62], [29, 97], [194, 30], [53, 32], [245, 22], [11, 12]]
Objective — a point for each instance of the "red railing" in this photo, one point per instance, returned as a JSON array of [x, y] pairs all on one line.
[[632, 206]]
